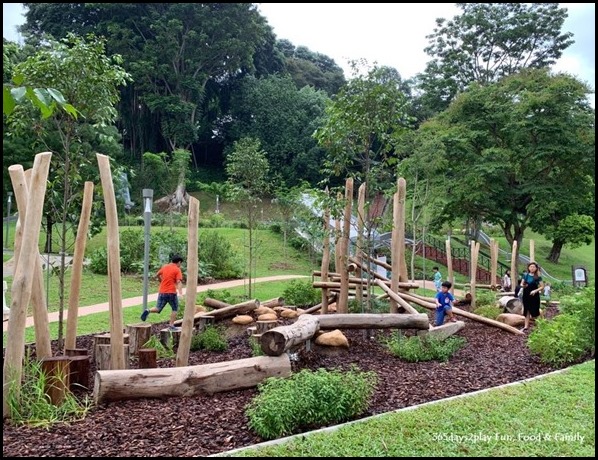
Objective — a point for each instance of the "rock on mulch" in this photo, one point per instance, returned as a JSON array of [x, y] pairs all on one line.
[[204, 425]]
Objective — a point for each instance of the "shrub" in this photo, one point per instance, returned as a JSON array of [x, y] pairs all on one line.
[[99, 262], [558, 341], [416, 348], [488, 311], [161, 350], [302, 294], [256, 349], [308, 399], [31, 405], [210, 339], [582, 305], [485, 298], [223, 261]]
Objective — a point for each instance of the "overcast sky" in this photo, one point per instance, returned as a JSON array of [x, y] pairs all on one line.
[[392, 34]]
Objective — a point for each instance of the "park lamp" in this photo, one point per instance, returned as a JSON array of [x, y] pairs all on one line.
[[148, 195]]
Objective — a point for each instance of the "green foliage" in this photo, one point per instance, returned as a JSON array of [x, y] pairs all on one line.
[[488, 311], [301, 294], [256, 349], [31, 405], [485, 298], [222, 294], [309, 399], [210, 339], [558, 341], [217, 252], [415, 349], [162, 351]]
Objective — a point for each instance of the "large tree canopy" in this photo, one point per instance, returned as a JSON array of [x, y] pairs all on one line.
[[516, 152], [488, 41]]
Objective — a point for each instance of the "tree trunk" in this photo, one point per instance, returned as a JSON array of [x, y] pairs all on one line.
[[374, 321], [280, 339], [555, 252], [175, 202], [190, 380]]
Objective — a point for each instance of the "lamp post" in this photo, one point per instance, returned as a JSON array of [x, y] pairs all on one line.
[[148, 195], [8, 219]]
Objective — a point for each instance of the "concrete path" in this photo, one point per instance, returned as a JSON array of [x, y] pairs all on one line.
[[134, 301]]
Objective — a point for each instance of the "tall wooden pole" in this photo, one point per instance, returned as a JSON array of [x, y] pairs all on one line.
[[337, 239], [77, 268], [493, 261], [394, 249], [514, 272], [475, 249], [402, 189], [117, 352], [360, 227], [532, 250], [325, 257], [342, 304], [449, 265], [23, 280], [182, 356]]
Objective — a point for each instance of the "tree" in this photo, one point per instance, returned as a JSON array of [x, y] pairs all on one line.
[[488, 41], [247, 168], [574, 230], [90, 80], [508, 150]]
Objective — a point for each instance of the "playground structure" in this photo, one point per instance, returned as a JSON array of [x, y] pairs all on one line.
[[114, 380]]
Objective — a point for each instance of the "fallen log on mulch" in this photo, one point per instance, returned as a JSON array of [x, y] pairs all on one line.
[[225, 312], [119, 385]]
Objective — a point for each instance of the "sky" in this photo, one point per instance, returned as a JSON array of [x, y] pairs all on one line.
[[391, 34]]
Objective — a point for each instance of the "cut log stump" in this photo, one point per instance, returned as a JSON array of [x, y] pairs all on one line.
[[78, 372], [139, 334], [56, 369], [103, 357], [170, 339], [148, 358]]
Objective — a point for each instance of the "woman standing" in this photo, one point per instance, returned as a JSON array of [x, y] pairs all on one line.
[[532, 285], [506, 281]]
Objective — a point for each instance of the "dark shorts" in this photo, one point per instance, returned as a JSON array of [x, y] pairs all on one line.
[[531, 304], [164, 299], [440, 313]]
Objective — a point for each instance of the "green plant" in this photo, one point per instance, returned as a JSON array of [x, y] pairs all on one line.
[[30, 405], [558, 341], [256, 349], [301, 293], [583, 305], [163, 352], [416, 348], [210, 339], [485, 298], [488, 311], [309, 398], [224, 263]]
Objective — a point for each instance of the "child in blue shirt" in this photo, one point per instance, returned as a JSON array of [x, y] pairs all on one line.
[[444, 304]]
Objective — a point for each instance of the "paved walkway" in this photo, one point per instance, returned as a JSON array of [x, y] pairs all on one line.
[[134, 301]]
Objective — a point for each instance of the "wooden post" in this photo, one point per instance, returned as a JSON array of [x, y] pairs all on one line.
[[139, 335], [115, 300], [20, 181], [264, 326], [360, 227], [148, 358], [78, 371], [493, 261], [514, 272], [325, 256], [104, 354], [532, 250], [337, 239], [475, 249], [449, 265], [104, 339], [77, 267], [56, 370], [184, 346], [23, 280], [402, 189], [395, 251], [170, 339], [343, 299]]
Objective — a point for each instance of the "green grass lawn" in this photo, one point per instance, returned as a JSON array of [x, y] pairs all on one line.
[[548, 417]]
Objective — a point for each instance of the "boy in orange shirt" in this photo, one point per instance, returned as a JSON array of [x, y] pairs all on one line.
[[171, 281]]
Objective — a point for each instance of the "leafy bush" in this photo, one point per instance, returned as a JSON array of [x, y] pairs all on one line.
[[218, 252], [302, 294], [211, 339], [485, 298], [558, 341], [488, 311], [376, 306], [31, 405], [276, 227], [161, 350], [256, 349], [99, 262], [308, 399], [583, 305], [416, 348]]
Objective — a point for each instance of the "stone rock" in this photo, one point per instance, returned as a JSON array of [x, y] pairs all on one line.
[[267, 317], [200, 309], [264, 311], [289, 314], [243, 319], [511, 319], [333, 339], [443, 331]]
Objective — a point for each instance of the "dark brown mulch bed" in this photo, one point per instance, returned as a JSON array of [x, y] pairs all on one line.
[[203, 425]]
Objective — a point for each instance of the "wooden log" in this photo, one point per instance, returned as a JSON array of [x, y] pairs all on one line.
[[204, 322], [394, 296], [264, 326], [23, 281], [325, 257], [402, 190], [184, 345], [374, 321], [188, 381], [226, 312], [56, 370], [275, 302], [361, 192], [77, 267], [280, 339], [139, 334], [104, 339], [363, 281], [148, 358], [215, 303], [465, 314], [319, 306], [21, 181], [449, 265], [342, 304], [493, 260], [104, 356], [170, 339], [251, 330], [78, 371], [511, 305], [337, 239], [76, 352], [532, 250], [514, 271], [475, 249], [113, 242]]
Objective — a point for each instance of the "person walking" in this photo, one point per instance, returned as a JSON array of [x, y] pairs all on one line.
[[532, 285], [171, 281]]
